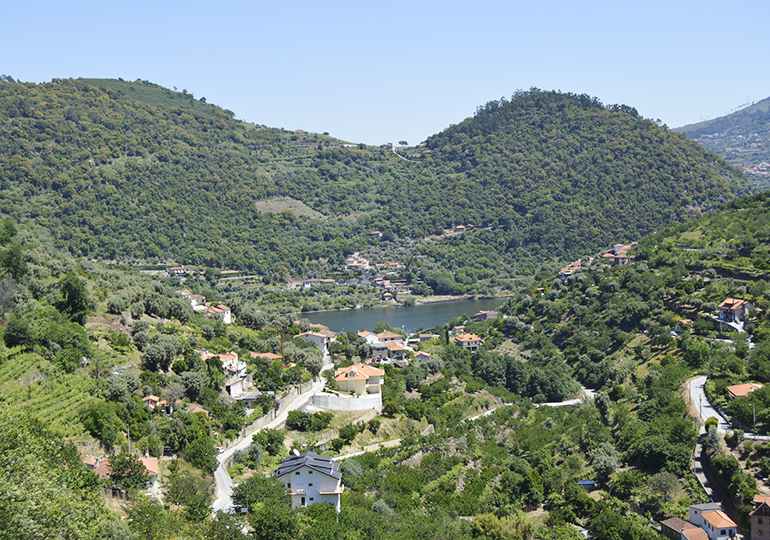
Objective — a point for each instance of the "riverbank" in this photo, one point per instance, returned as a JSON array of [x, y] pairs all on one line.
[[436, 312]]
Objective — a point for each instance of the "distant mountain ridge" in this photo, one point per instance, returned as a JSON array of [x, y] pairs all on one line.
[[139, 173], [742, 138]]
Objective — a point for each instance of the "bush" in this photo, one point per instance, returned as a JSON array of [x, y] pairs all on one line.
[[337, 444]]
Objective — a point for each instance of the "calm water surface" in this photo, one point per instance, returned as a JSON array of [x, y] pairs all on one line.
[[409, 318]]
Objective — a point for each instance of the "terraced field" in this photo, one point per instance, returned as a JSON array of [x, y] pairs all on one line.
[[54, 399]]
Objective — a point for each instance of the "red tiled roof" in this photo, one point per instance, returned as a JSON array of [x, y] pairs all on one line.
[[361, 371], [743, 390], [718, 519]]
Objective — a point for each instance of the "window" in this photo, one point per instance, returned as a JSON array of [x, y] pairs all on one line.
[[309, 472], [311, 498], [297, 473], [310, 484], [288, 485], [722, 532], [759, 520]]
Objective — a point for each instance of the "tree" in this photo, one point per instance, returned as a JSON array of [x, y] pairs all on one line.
[[403, 143], [605, 459], [274, 522], [224, 527], [74, 299], [202, 454], [148, 520], [663, 483], [19, 333], [126, 470]]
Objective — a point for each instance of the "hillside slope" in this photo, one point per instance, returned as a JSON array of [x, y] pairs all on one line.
[[741, 138], [135, 172]]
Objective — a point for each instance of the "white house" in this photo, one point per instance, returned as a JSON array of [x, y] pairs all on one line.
[[713, 520], [311, 478], [219, 312]]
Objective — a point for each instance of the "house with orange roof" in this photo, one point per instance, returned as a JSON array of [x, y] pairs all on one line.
[[360, 379], [422, 356], [469, 342], [266, 355], [742, 390], [102, 468], [219, 311], [734, 310], [388, 336], [711, 518], [197, 409]]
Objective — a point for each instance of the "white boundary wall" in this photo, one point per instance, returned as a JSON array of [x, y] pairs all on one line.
[[348, 403]]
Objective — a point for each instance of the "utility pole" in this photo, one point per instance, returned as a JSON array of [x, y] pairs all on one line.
[[753, 408]]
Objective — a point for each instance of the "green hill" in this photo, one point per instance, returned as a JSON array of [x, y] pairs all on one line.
[[138, 173], [740, 138]]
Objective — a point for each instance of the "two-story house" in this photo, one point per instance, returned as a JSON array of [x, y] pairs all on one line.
[[469, 342], [713, 520], [311, 478], [734, 310], [360, 378], [760, 518]]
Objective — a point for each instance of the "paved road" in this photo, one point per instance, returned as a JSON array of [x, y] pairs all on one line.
[[704, 408], [222, 480]]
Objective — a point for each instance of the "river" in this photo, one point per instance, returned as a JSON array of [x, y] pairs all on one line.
[[410, 319]]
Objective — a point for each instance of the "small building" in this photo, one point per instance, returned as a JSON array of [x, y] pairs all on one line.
[[422, 356], [760, 518], [387, 336], [469, 342], [219, 311], [360, 379], [428, 337], [711, 518], [734, 310], [675, 527], [485, 315], [311, 478], [742, 390]]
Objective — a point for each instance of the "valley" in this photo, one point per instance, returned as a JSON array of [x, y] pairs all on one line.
[[179, 322]]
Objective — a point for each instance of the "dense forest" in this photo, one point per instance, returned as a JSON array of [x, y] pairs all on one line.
[[133, 172]]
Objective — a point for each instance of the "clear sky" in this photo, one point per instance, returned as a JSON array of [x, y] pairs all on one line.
[[378, 72]]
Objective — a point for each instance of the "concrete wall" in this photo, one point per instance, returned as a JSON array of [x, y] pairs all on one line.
[[347, 403]]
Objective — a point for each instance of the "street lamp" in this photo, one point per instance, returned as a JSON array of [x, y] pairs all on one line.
[[754, 409]]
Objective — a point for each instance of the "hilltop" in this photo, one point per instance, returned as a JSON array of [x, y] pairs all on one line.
[[741, 138], [133, 172]]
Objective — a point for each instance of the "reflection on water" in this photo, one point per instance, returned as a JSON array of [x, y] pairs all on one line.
[[409, 318]]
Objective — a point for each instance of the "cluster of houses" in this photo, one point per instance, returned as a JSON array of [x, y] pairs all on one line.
[[615, 256], [709, 522], [209, 309], [706, 522]]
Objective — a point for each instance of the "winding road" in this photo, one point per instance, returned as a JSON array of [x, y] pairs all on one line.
[[222, 481]]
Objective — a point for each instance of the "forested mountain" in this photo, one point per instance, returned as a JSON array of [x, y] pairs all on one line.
[[741, 138], [135, 172]]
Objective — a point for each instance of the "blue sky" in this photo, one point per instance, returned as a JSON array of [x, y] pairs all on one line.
[[378, 72]]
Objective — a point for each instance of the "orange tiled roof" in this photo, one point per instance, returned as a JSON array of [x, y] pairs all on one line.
[[268, 355], [695, 534], [718, 519], [743, 390], [467, 337], [361, 371], [732, 304]]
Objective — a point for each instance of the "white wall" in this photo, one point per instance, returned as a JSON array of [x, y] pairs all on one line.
[[347, 403]]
